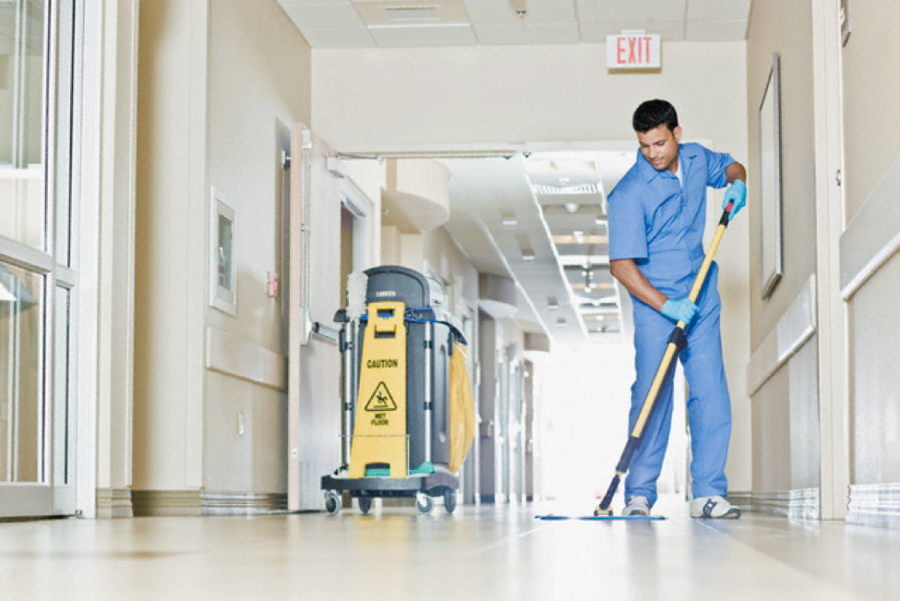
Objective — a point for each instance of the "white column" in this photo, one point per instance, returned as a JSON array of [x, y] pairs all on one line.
[[832, 344]]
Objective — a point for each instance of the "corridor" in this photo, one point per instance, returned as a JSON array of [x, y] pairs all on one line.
[[478, 553]]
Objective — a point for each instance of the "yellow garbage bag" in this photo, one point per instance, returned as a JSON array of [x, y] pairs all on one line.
[[462, 408]]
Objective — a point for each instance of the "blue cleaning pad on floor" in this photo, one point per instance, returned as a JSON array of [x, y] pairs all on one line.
[[604, 518]]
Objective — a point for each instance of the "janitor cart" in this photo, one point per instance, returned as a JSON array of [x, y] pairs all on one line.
[[401, 436]]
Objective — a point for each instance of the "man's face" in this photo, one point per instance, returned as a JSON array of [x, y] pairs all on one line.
[[660, 146]]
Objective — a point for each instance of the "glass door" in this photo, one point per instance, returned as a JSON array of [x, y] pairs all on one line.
[[37, 277]]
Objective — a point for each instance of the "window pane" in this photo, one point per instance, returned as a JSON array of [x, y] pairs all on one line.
[[62, 183], [22, 64], [21, 366]]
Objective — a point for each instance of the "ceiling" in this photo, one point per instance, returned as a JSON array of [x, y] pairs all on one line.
[[540, 217], [405, 23]]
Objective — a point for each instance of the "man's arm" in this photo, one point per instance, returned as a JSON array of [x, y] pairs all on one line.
[[634, 280], [736, 194], [735, 171]]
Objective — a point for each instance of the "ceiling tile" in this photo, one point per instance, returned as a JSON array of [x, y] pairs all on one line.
[[399, 37], [387, 13], [338, 38], [286, 3], [631, 10], [503, 12], [716, 31], [528, 34], [324, 16], [592, 31], [732, 10]]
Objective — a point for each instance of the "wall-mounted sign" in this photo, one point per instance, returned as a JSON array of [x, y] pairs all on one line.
[[633, 50]]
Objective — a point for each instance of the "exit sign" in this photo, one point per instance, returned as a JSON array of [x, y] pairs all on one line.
[[632, 50]]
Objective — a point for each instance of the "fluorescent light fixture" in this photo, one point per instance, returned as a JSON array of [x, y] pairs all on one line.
[[528, 257], [510, 222]]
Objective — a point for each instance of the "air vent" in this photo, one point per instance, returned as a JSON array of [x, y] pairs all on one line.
[[544, 189]]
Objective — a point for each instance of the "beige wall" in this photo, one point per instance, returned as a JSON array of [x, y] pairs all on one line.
[[511, 97], [171, 228], [871, 83], [788, 399], [785, 28], [221, 83], [868, 246]]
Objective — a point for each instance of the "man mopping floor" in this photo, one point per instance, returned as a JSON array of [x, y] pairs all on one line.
[[657, 214]]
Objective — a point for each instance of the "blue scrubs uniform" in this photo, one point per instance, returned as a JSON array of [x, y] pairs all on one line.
[[659, 223]]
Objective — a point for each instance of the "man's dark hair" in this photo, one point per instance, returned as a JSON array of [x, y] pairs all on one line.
[[654, 113]]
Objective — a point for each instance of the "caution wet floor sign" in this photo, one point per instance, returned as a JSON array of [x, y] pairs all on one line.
[[379, 434]]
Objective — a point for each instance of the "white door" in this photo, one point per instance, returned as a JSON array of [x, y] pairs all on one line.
[[37, 273]]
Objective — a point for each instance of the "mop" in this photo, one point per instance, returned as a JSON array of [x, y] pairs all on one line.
[[677, 342]]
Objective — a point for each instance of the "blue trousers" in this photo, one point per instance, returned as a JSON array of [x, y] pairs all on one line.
[[708, 405]]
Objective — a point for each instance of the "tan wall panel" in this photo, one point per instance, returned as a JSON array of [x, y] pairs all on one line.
[[785, 28], [875, 383], [771, 435], [871, 86]]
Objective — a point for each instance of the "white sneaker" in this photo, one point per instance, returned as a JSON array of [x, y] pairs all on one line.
[[714, 507], [637, 506]]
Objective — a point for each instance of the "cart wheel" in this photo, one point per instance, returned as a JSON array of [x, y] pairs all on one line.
[[424, 503], [332, 502], [449, 500], [365, 504]]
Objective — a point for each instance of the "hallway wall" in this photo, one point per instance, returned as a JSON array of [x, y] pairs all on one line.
[[221, 82], [870, 267], [518, 98], [783, 385]]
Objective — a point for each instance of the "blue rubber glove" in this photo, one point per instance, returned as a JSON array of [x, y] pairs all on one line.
[[680, 309], [736, 192]]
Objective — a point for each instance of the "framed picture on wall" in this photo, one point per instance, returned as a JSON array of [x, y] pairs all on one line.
[[222, 264], [770, 182]]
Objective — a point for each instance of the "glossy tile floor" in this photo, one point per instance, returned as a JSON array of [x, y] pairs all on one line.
[[478, 553]]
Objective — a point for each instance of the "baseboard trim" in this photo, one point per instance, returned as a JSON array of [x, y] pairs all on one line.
[[114, 503], [874, 505], [163, 503], [224, 503], [797, 504], [166, 503]]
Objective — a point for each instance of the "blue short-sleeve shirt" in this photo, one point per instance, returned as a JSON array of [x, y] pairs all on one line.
[[659, 223]]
